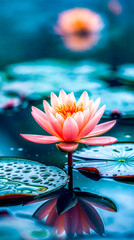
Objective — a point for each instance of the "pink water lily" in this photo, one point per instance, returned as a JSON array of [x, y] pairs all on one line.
[[71, 122]]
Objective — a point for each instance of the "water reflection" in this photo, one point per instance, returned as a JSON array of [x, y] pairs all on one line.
[[12, 227], [72, 212]]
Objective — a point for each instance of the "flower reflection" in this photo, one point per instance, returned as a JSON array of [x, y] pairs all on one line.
[[73, 212], [79, 28], [81, 43]]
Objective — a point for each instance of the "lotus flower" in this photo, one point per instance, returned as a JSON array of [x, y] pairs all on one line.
[[71, 122]]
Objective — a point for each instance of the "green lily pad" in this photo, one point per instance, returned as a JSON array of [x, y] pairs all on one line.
[[116, 161], [25, 178]]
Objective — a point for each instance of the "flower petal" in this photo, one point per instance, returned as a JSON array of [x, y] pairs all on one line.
[[40, 139], [92, 123], [83, 99], [47, 107], [98, 141], [95, 107], [54, 101], [101, 128], [79, 119], [43, 123], [70, 130], [70, 99], [40, 113], [67, 147], [60, 119], [55, 124], [62, 96], [86, 114]]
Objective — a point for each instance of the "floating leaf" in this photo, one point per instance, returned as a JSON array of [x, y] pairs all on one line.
[[121, 99], [115, 161], [126, 74], [35, 75], [20, 179]]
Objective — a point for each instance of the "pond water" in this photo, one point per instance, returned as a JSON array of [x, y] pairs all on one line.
[[113, 225]]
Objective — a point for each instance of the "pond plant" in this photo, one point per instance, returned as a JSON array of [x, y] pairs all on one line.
[[70, 123]]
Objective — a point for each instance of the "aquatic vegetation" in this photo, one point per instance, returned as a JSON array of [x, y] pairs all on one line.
[[115, 162], [22, 179], [71, 122]]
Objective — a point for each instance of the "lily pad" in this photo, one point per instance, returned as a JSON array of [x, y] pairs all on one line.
[[119, 98], [126, 74], [8, 101], [43, 76], [115, 161], [21, 178]]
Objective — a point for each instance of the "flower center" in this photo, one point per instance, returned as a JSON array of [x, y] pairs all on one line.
[[121, 160], [69, 110]]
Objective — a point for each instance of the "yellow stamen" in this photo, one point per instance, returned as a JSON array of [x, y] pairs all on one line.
[[121, 160], [70, 110]]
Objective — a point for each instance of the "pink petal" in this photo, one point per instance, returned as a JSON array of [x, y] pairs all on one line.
[[95, 107], [85, 116], [54, 101], [67, 147], [101, 128], [98, 141], [83, 99], [60, 119], [70, 130], [40, 139], [47, 107], [43, 123], [70, 99], [62, 96], [92, 123], [55, 124], [79, 119], [40, 113]]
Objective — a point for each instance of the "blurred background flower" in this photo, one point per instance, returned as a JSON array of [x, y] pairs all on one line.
[[79, 28]]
